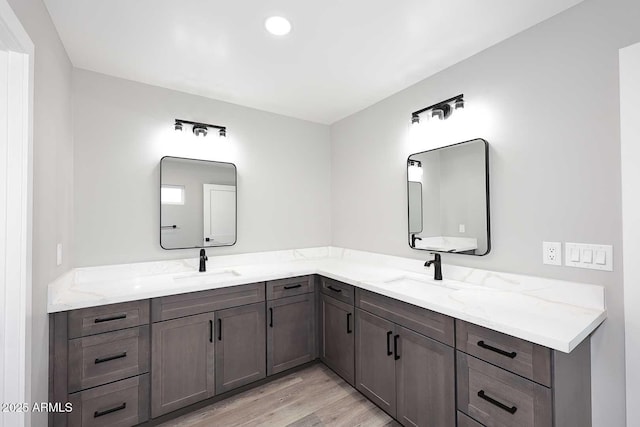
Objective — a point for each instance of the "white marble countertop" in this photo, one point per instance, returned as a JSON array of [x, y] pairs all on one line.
[[552, 313]]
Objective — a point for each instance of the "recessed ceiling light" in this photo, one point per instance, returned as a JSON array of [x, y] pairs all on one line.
[[277, 25]]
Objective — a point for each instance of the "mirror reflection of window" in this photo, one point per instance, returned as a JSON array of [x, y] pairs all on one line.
[[172, 195], [448, 196], [198, 203]]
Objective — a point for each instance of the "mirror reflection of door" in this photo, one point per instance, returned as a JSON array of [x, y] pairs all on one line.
[[219, 214]]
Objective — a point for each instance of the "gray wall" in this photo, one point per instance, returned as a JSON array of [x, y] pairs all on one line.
[[122, 129], [52, 178], [550, 110]]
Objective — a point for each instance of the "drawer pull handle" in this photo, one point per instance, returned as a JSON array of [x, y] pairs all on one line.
[[334, 289], [270, 317], [389, 352], [511, 410], [396, 356], [349, 330], [293, 286], [110, 411], [109, 358], [210, 330], [109, 319], [511, 355], [219, 329]]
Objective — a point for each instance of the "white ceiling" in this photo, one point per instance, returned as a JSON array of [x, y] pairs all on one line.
[[340, 57]]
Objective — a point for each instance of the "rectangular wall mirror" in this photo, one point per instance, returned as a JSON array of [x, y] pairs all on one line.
[[197, 203], [448, 199]]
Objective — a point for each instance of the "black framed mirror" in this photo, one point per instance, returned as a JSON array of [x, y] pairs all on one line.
[[198, 203], [448, 199]]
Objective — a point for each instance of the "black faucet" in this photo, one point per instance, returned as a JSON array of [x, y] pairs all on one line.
[[413, 240], [437, 263], [203, 261]]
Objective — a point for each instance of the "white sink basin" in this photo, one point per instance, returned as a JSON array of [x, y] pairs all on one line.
[[213, 274], [413, 284]]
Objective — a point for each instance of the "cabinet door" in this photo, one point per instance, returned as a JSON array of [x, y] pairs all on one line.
[[290, 332], [240, 346], [182, 369], [337, 337], [425, 371], [375, 364]]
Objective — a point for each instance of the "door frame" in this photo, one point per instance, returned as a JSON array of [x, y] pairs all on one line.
[[16, 207], [630, 155]]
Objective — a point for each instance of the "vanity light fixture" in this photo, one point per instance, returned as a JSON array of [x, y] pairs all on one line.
[[199, 129], [441, 111]]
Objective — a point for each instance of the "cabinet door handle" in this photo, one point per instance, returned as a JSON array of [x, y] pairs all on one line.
[[97, 414], [349, 330], [219, 329], [110, 318], [511, 410], [293, 286], [109, 358], [389, 352], [396, 356], [334, 289], [510, 355], [210, 330], [270, 317]]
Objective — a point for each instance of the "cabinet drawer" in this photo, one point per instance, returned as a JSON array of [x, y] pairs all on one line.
[[121, 404], [496, 397], [338, 290], [466, 421], [175, 306], [99, 359], [106, 318], [289, 287], [513, 354], [426, 322]]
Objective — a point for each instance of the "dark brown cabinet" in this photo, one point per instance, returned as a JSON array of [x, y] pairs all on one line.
[[507, 381], [410, 376], [375, 363], [425, 380], [337, 337], [117, 368], [99, 362], [239, 346], [290, 332], [182, 362]]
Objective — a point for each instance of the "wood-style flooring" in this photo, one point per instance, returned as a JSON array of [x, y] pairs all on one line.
[[312, 397]]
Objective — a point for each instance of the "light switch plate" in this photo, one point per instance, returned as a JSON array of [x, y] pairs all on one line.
[[552, 253], [592, 257]]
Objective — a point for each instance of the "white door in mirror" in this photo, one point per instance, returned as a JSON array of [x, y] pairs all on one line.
[[219, 202]]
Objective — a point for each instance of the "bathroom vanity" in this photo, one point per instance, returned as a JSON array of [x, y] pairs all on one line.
[[434, 354]]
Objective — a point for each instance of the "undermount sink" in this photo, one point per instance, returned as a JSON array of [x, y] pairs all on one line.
[[215, 274], [409, 284]]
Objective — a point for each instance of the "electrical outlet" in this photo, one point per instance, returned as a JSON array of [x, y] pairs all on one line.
[[552, 253]]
